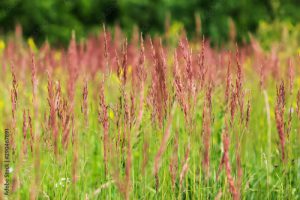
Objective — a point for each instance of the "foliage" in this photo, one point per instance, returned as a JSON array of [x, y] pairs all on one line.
[[55, 19], [116, 119], [279, 33]]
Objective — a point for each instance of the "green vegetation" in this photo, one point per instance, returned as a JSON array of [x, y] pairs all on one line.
[[146, 120], [55, 19]]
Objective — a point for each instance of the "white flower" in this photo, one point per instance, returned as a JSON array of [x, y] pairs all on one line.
[[61, 182]]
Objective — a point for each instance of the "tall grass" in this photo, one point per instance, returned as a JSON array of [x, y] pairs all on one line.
[[139, 118]]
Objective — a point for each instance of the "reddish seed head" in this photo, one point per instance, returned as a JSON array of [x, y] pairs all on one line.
[[103, 118], [248, 113], [52, 117], [31, 131], [233, 103], [159, 85], [141, 73], [187, 55], [105, 47], [14, 93], [262, 77], [14, 98], [179, 88], [200, 60], [239, 74], [279, 117], [298, 103], [124, 61], [228, 80]]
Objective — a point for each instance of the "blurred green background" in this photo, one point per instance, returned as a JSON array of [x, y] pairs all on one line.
[[55, 19]]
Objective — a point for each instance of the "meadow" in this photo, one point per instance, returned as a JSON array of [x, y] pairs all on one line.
[[144, 118]]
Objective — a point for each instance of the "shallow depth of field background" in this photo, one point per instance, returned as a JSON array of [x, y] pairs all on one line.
[[54, 19], [150, 99]]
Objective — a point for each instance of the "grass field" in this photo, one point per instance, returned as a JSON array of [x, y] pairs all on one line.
[[144, 119]]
